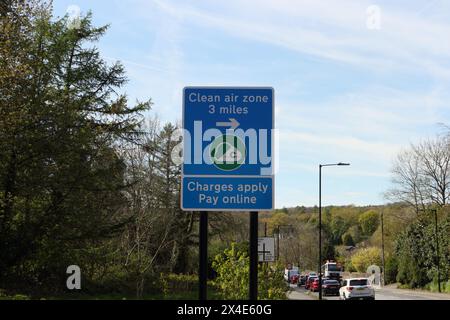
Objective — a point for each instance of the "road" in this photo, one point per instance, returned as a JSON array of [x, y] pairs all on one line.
[[386, 293]]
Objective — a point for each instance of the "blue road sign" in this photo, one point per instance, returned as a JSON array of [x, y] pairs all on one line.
[[228, 149]]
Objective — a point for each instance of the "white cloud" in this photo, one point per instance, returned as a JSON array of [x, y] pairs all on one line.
[[333, 30], [380, 113], [365, 125], [344, 143]]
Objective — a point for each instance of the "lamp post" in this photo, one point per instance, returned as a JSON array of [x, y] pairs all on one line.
[[320, 220], [382, 247]]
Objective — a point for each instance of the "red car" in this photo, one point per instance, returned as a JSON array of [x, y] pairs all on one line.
[[294, 278], [314, 286], [309, 282]]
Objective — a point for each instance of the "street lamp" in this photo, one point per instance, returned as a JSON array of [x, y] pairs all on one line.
[[320, 220]]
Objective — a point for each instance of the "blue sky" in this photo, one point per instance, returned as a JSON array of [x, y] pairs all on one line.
[[344, 91]]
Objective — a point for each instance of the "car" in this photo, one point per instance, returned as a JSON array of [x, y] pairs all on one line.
[[289, 274], [309, 282], [356, 288], [314, 286], [306, 280], [308, 275], [301, 280], [330, 287], [294, 278]]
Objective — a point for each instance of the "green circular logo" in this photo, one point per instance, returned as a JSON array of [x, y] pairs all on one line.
[[228, 152]]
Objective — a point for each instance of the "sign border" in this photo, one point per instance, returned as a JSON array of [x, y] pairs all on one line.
[[230, 176]]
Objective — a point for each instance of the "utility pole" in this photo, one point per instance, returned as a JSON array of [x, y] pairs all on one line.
[[278, 243], [264, 250], [290, 226]]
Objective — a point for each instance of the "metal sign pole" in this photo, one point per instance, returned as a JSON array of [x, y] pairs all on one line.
[[203, 256], [264, 252], [253, 288]]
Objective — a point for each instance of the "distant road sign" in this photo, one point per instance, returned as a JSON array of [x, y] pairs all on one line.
[[227, 149], [266, 249]]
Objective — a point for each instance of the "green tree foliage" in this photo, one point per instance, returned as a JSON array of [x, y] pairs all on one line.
[[277, 219], [366, 257], [329, 252], [391, 269], [420, 177], [232, 269], [369, 221], [338, 226], [416, 253], [355, 232], [348, 266], [347, 240], [82, 180], [60, 119]]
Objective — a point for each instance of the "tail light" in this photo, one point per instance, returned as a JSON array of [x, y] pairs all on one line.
[[349, 288]]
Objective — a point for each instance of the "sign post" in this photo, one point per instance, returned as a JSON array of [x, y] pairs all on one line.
[[228, 158], [253, 285], [266, 249], [203, 256]]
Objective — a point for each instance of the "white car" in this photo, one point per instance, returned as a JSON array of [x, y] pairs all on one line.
[[356, 288]]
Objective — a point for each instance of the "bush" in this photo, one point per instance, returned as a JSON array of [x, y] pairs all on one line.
[[178, 283], [348, 266], [347, 240], [232, 280], [5, 296], [391, 270], [366, 257], [20, 297], [415, 252], [433, 286], [411, 273], [271, 285]]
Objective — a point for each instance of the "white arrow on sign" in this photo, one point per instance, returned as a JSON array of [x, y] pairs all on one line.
[[233, 124]]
